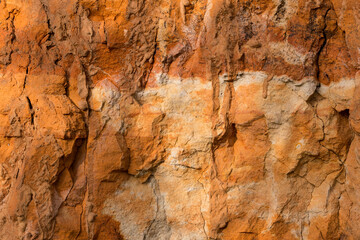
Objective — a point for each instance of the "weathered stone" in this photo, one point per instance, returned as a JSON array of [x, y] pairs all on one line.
[[189, 119]]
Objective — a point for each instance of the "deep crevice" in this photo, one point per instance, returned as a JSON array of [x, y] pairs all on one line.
[[31, 110]]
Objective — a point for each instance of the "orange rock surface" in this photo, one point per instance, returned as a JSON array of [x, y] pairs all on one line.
[[179, 119]]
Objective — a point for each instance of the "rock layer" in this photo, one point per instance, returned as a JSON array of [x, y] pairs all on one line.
[[179, 119]]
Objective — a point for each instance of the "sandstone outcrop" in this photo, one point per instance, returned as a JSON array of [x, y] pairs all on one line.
[[179, 119]]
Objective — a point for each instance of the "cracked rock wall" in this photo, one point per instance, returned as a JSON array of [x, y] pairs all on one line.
[[179, 119]]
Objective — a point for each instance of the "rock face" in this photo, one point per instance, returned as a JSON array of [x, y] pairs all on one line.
[[179, 119]]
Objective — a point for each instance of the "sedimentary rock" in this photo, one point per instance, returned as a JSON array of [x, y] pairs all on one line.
[[179, 119]]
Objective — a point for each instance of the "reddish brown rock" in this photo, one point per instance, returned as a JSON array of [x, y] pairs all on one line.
[[189, 119]]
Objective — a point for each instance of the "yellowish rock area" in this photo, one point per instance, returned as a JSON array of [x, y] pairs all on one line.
[[179, 119]]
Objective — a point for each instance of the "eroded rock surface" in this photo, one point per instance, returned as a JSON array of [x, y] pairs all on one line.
[[179, 119]]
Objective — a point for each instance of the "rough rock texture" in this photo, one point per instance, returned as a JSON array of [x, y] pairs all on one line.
[[179, 119]]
